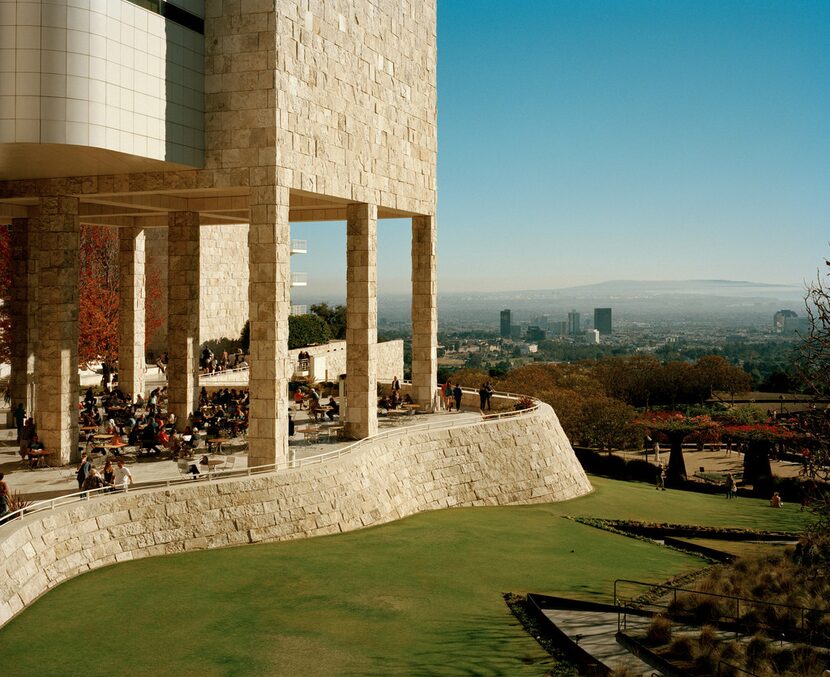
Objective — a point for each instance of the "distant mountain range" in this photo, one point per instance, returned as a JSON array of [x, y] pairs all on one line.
[[717, 302]]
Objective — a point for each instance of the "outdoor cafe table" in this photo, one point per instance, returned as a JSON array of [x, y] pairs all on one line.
[[212, 464], [215, 442], [114, 448]]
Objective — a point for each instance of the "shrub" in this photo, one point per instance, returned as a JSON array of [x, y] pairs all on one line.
[[683, 649], [659, 631], [757, 650]]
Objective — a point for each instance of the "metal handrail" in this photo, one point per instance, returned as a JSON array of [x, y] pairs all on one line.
[[52, 503], [750, 602]]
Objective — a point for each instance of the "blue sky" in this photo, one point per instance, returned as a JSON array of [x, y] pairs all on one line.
[[586, 141]]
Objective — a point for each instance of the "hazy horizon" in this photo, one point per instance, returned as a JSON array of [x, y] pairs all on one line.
[[590, 141]]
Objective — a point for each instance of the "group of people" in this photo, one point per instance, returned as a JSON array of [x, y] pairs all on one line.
[[452, 395], [110, 478], [210, 364], [311, 398]]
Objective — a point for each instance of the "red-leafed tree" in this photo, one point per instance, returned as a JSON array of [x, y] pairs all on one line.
[[153, 316], [5, 284], [759, 439], [675, 426], [98, 295]]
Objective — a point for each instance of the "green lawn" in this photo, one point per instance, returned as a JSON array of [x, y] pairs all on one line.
[[420, 597]]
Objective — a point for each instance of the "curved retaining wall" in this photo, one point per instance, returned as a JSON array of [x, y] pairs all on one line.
[[522, 459]]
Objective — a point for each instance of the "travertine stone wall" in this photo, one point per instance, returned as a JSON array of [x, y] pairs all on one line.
[[424, 309], [224, 281], [526, 459], [223, 271], [21, 308], [388, 354], [131, 310], [183, 314], [56, 357], [353, 107], [361, 320], [155, 270], [269, 242]]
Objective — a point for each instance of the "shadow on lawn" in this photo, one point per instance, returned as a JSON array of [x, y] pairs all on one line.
[[460, 641]]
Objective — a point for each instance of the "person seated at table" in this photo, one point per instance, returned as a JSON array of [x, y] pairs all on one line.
[[334, 408], [298, 398], [407, 399], [314, 408], [148, 439], [139, 403], [395, 399], [89, 397], [111, 429], [384, 403], [35, 445], [134, 435]]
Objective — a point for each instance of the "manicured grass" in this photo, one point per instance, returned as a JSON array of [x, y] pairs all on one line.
[[421, 596]]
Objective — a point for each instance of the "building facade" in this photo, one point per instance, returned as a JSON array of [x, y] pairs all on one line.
[[574, 323], [190, 115], [505, 318], [602, 321]]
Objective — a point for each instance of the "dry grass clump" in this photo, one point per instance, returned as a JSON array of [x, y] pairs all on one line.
[[659, 631]]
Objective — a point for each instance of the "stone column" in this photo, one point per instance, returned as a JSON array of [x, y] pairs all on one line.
[[183, 314], [56, 354], [269, 283], [21, 308], [424, 310], [131, 311], [361, 320]]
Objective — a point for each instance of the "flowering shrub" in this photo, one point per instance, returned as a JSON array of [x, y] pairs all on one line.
[[524, 402]]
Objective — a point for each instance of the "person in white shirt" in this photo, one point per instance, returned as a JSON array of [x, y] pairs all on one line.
[[123, 476]]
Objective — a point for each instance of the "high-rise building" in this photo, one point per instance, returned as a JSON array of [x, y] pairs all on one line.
[[506, 318], [558, 328], [535, 333], [780, 318], [602, 320], [574, 323]]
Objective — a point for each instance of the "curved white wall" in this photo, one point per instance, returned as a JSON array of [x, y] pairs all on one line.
[[523, 459], [102, 74]]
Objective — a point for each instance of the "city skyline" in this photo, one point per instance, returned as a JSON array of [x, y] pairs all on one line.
[[612, 136]]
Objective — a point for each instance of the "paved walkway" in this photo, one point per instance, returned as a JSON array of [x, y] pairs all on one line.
[[45, 483], [596, 632]]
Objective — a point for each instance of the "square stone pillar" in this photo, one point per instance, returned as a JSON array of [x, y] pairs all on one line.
[[424, 310], [269, 283], [56, 354], [22, 304], [131, 311], [361, 320], [182, 314]]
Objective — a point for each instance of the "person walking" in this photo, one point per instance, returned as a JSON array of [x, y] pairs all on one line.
[[457, 394], [83, 470], [661, 477], [123, 476], [19, 419], [5, 497], [730, 486]]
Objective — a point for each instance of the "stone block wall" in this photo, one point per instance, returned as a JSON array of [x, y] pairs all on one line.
[[524, 459], [223, 279], [389, 356]]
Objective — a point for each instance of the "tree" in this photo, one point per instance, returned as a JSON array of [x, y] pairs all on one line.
[[307, 330], [333, 316], [607, 423], [713, 372], [676, 426], [759, 439], [5, 285], [98, 301]]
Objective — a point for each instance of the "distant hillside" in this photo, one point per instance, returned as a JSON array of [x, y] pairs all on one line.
[[718, 302]]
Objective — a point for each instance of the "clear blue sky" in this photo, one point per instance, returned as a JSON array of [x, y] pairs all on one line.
[[585, 141]]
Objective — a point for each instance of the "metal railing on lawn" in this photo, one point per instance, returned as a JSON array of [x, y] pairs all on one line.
[[801, 614], [293, 464]]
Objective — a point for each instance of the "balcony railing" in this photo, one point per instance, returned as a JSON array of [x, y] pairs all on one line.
[[299, 279], [299, 310], [299, 246]]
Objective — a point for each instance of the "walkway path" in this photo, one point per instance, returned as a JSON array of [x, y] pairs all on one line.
[[46, 483], [597, 632]]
